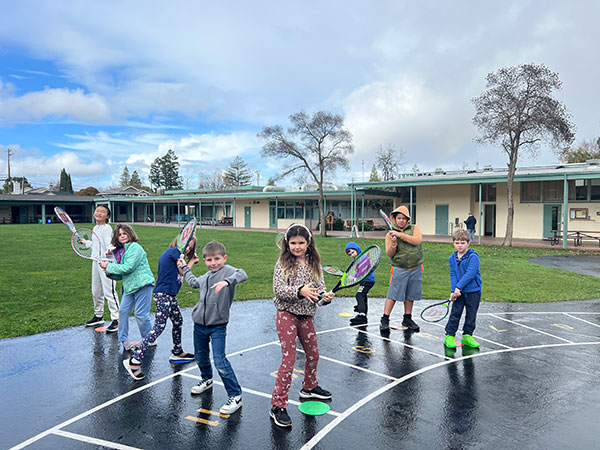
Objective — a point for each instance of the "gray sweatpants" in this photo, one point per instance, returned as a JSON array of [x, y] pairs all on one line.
[[104, 288]]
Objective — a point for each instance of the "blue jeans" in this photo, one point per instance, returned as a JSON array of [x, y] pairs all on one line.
[[469, 301], [216, 335], [139, 300], [471, 234]]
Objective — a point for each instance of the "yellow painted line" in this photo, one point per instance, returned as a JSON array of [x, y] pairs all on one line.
[[429, 336], [213, 423], [363, 349], [214, 413], [563, 325], [496, 329], [345, 314]]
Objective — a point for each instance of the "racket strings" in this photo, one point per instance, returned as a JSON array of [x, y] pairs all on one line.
[[82, 248], [435, 313]]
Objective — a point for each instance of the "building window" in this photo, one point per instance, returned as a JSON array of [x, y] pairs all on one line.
[[488, 192], [578, 190], [595, 190], [531, 191], [552, 191]]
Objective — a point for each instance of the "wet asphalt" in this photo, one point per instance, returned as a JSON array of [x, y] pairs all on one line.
[[533, 384]]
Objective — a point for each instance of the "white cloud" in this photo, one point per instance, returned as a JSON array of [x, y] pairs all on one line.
[[52, 165], [72, 104]]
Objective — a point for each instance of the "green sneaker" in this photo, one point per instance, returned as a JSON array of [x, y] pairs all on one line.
[[468, 340], [449, 341]]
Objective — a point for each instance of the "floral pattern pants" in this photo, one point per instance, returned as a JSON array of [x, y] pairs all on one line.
[[290, 326]]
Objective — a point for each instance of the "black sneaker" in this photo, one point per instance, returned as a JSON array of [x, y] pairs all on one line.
[[410, 324], [114, 326], [94, 321], [359, 319], [317, 392], [280, 417], [384, 325]]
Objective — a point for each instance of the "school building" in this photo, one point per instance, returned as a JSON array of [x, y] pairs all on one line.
[[545, 199]]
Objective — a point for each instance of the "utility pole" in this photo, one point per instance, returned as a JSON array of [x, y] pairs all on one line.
[[9, 152]]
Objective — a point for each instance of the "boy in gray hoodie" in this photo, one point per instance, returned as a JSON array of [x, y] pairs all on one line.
[[210, 316]]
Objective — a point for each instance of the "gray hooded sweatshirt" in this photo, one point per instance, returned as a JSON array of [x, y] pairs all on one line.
[[213, 308]]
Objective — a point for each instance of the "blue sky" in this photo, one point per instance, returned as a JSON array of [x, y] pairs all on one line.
[[97, 86]]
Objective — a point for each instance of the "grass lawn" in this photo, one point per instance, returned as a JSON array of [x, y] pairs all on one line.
[[44, 286]]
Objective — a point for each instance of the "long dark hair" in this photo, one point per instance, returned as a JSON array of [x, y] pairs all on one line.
[[288, 261]]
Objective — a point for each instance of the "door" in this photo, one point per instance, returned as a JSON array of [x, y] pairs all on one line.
[[441, 219], [247, 221], [551, 219], [489, 220], [272, 215]]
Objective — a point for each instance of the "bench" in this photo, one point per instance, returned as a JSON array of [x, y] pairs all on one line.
[[578, 237]]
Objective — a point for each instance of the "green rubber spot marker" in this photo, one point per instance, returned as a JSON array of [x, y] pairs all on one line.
[[313, 408]]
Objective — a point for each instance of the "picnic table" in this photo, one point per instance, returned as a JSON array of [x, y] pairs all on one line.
[[577, 235]]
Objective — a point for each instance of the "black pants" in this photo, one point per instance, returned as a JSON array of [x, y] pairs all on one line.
[[469, 301], [361, 296]]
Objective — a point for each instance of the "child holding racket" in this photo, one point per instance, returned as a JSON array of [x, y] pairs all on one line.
[[353, 250], [211, 316], [404, 249], [298, 284], [138, 281], [465, 290], [168, 283], [102, 286]]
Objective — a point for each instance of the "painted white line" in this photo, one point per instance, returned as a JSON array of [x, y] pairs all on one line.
[[403, 344], [577, 318], [89, 412], [480, 338], [257, 393], [91, 440], [338, 420], [532, 329], [479, 313], [337, 361]]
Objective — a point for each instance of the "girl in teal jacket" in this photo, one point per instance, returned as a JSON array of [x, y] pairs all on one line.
[[138, 281]]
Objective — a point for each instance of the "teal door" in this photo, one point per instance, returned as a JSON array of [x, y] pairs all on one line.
[[441, 219], [489, 220], [247, 221], [551, 219], [272, 215]]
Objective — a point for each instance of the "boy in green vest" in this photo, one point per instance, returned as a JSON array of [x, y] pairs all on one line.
[[403, 246]]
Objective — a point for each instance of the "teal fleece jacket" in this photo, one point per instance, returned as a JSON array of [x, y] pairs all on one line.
[[133, 269]]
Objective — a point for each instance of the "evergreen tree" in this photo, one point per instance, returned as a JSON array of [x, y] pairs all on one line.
[[135, 180], [164, 172], [124, 180], [64, 184], [237, 174], [374, 176]]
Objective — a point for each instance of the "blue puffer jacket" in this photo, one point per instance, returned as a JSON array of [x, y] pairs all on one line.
[[354, 245], [464, 272]]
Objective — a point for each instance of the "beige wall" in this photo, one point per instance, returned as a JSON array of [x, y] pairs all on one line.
[[259, 213], [457, 197]]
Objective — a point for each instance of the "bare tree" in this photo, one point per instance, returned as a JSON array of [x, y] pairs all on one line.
[[315, 145], [211, 181], [517, 111], [389, 161]]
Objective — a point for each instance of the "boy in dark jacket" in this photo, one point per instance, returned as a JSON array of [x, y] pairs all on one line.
[[353, 250], [210, 316], [465, 281]]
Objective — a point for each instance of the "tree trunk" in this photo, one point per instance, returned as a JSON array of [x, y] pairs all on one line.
[[322, 212], [512, 167]]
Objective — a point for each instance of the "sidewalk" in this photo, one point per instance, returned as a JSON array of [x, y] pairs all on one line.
[[588, 246]]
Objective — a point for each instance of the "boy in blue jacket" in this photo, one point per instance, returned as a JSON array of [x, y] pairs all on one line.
[[465, 280], [353, 250], [210, 316]]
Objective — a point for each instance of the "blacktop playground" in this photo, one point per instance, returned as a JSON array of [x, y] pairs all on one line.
[[532, 385]]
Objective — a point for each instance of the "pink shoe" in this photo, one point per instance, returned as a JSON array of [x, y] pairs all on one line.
[[128, 345]]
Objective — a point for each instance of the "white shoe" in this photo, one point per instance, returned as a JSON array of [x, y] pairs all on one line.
[[232, 405], [202, 386]]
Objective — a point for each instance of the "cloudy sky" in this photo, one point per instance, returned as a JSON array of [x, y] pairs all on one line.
[[96, 86]]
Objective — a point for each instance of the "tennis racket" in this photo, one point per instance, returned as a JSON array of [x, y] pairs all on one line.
[[360, 268], [81, 241], [65, 218], [436, 312], [186, 233], [279, 240], [388, 222], [333, 270]]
